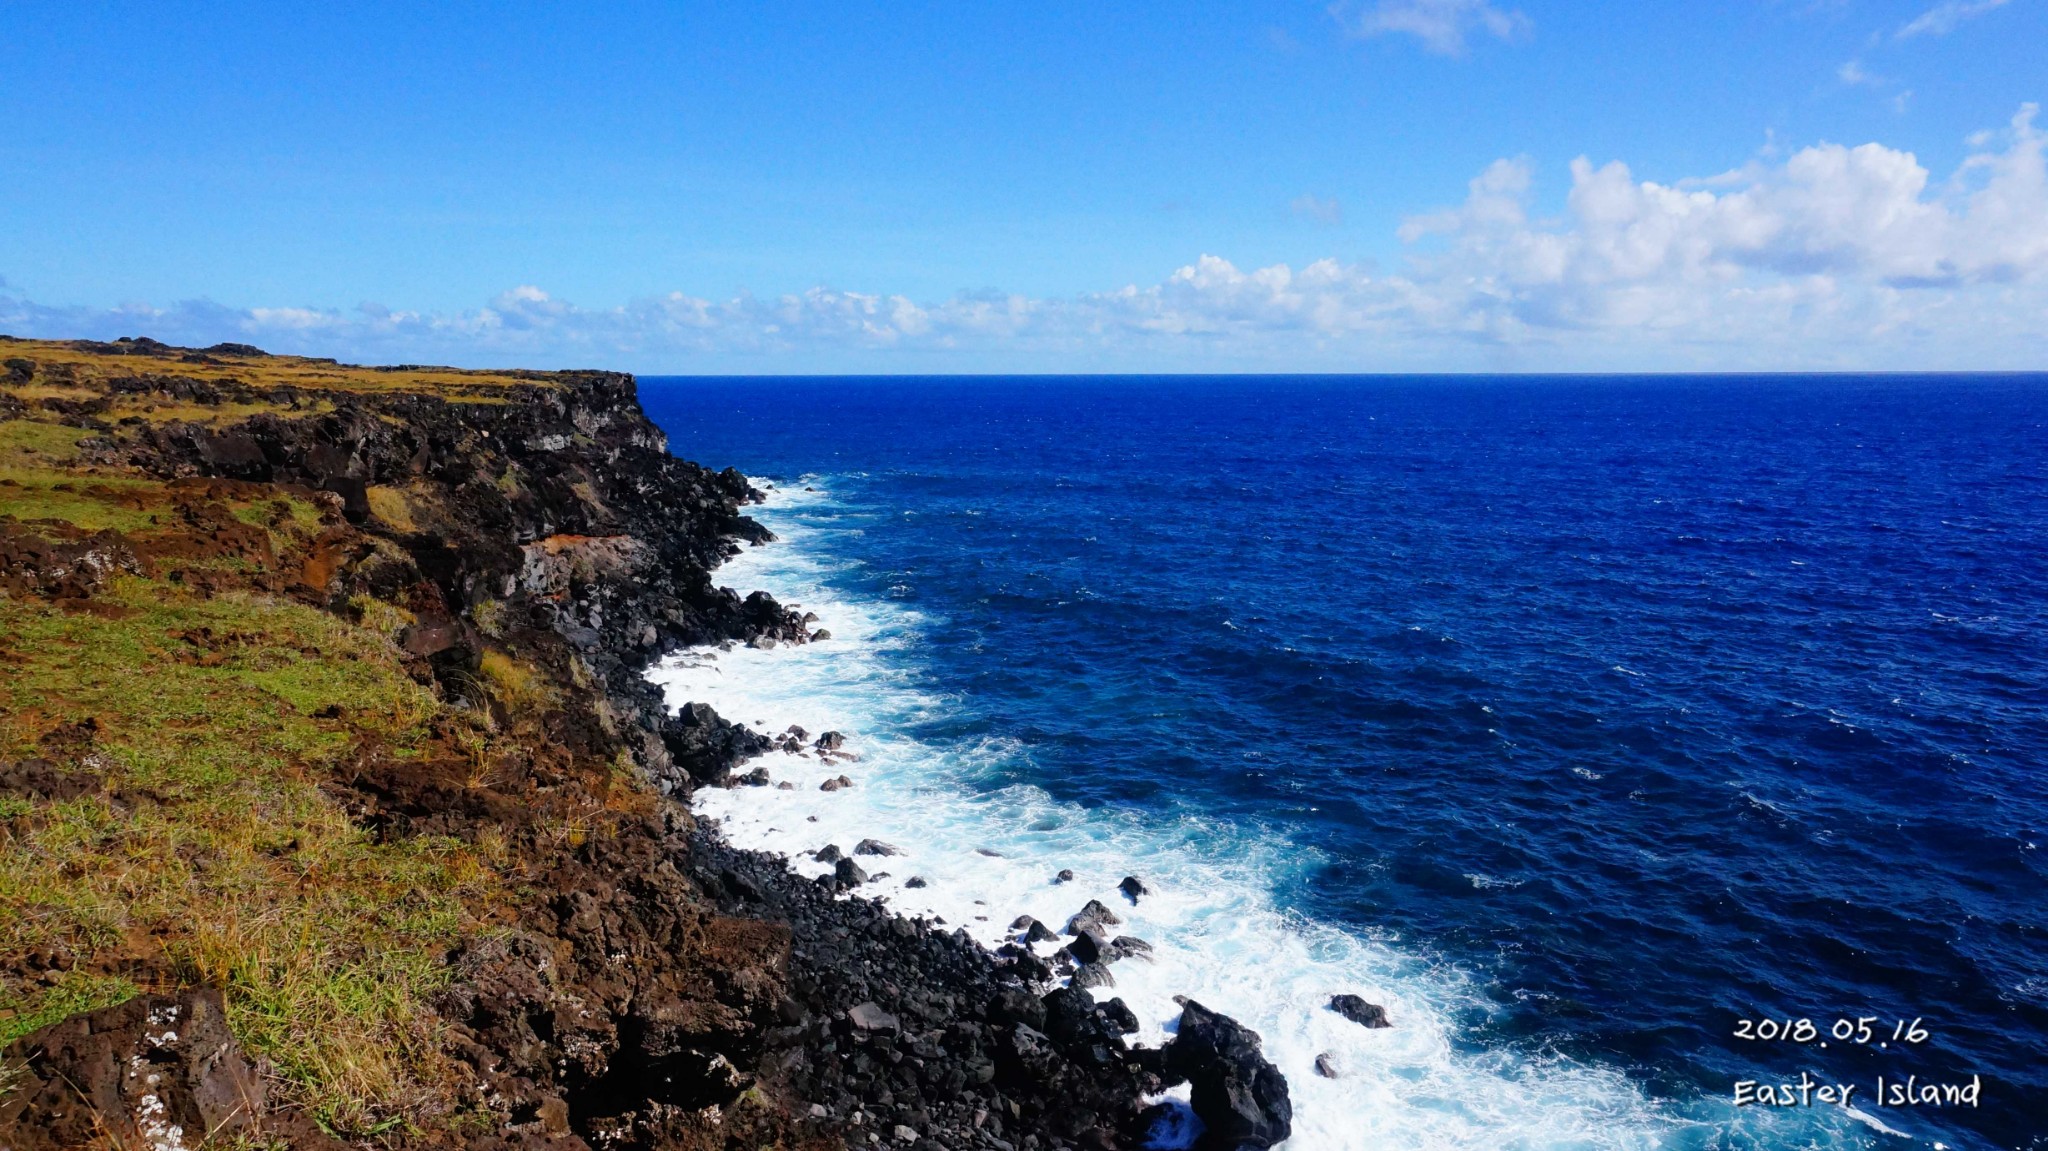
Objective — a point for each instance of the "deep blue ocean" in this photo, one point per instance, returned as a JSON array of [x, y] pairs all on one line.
[[1645, 705]]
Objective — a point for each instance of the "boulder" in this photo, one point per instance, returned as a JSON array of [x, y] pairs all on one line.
[[1125, 946], [1093, 915], [1326, 1066], [875, 847], [848, 873], [1026, 965], [1070, 1016], [706, 746], [1359, 1011], [1032, 1054], [156, 1071], [1016, 1005], [1066, 875], [829, 853], [1133, 887], [1239, 1096], [1088, 945], [916, 881], [1094, 975], [869, 1016], [1120, 1016]]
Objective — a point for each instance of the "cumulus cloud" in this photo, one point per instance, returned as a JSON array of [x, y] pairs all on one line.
[[1943, 18], [1834, 256], [1443, 26]]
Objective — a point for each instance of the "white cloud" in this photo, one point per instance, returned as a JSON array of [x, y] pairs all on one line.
[[1322, 210], [1443, 26], [1943, 18], [1854, 74], [1836, 256]]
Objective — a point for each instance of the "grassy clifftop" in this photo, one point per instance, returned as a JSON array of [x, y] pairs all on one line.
[[211, 682], [336, 809], [177, 703], [85, 370]]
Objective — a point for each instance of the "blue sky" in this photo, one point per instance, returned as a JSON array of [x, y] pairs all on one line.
[[855, 187]]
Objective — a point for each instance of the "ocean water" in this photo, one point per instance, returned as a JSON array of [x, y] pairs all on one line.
[[1575, 721]]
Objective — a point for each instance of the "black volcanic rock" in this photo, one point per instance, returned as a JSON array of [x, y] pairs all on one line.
[[1090, 975], [1120, 1016], [704, 747], [659, 973], [1088, 945], [1239, 1096], [1094, 915], [1125, 946], [1359, 1011], [974, 1039]]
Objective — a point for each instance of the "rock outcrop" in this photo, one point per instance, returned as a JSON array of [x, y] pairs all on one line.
[[159, 1071], [1358, 1011], [1239, 1096]]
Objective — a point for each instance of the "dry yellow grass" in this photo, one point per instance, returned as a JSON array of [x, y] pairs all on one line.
[[391, 507], [211, 847], [210, 838], [88, 367], [513, 683]]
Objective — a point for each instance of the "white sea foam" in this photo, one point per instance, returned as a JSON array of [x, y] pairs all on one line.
[[1218, 933]]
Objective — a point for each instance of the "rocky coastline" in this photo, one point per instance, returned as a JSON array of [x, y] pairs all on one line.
[[646, 985]]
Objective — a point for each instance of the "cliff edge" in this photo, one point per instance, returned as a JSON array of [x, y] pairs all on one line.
[[335, 809]]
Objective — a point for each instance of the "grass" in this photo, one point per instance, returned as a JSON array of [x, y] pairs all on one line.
[[393, 509], [92, 503], [72, 993], [213, 842], [514, 683], [212, 847], [86, 368], [34, 442]]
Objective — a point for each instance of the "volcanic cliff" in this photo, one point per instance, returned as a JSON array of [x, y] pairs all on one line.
[[338, 811]]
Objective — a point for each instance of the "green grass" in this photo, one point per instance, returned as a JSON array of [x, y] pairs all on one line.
[[74, 992], [92, 503], [212, 848], [29, 441], [88, 368], [214, 843]]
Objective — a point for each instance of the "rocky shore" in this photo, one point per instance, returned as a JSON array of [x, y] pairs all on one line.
[[530, 548]]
